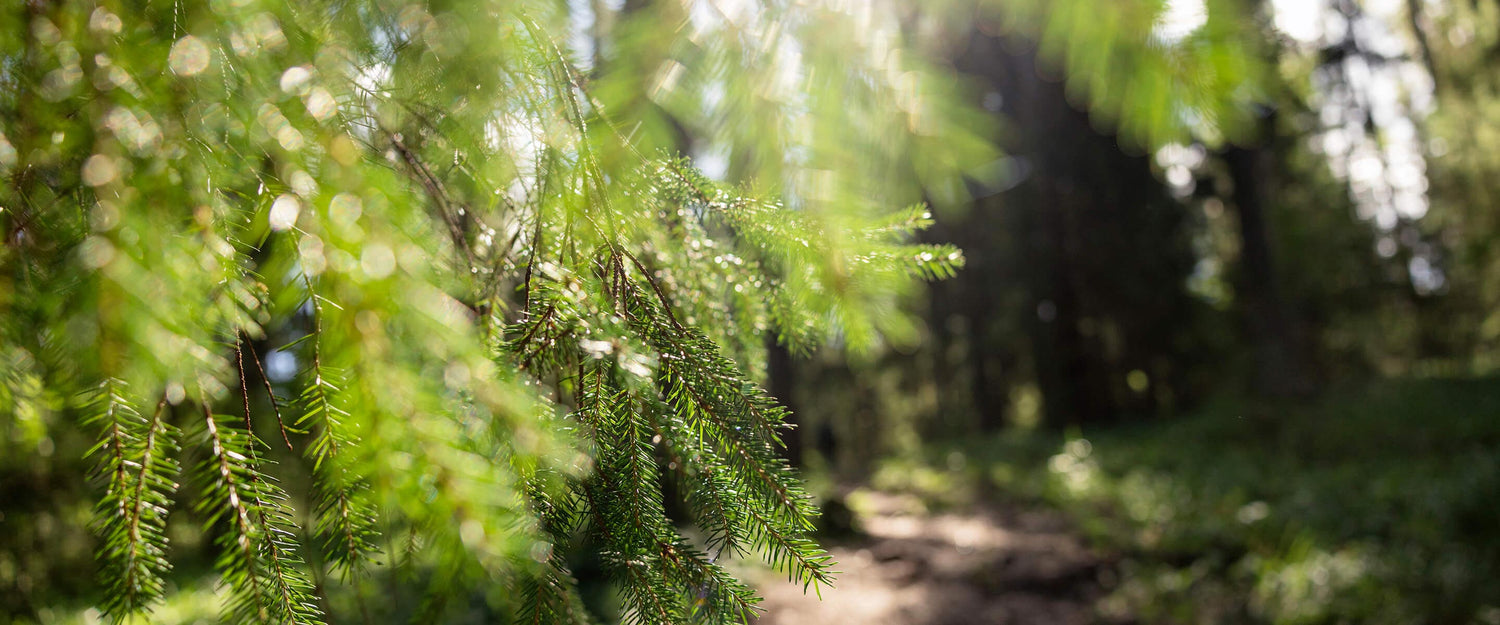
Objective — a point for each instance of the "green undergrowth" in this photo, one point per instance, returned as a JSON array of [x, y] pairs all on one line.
[[1375, 504]]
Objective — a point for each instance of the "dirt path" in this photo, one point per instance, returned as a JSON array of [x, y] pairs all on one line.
[[991, 566]]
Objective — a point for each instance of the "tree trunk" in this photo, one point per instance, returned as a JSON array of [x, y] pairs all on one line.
[[1281, 368], [781, 383]]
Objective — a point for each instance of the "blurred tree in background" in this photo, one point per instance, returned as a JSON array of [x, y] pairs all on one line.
[[1236, 259], [1198, 198]]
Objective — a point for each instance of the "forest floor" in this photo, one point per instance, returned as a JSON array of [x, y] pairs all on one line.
[[987, 565], [1371, 504]]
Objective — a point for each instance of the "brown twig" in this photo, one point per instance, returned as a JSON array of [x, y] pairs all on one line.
[[438, 195], [270, 394]]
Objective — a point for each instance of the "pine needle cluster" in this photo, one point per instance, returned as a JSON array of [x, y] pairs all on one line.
[[412, 305]]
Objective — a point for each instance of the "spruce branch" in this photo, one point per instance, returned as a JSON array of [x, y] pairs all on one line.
[[136, 461], [267, 580], [345, 522]]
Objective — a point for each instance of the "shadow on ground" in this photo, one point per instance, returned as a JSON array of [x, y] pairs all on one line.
[[991, 565]]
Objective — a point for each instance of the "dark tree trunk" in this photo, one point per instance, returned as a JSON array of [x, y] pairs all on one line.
[[781, 383], [1083, 248], [1281, 367], [985, 351]]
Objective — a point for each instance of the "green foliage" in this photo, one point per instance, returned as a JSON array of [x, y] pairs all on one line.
[[513, 332], [1372, 505], [139, 468], [1135, 77], [258, 554], [1462, 132]]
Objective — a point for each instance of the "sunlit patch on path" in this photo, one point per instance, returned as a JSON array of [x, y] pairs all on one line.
[[995, 564]]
